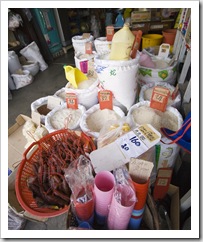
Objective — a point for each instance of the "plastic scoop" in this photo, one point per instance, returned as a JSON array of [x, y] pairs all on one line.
[[74, 75]]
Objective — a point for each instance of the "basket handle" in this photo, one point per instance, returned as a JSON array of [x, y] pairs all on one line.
[[30, 148]]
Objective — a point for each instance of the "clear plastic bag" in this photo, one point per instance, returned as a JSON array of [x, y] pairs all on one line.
[[113, 129]]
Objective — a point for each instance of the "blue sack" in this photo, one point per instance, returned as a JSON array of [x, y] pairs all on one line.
[[182, 137]]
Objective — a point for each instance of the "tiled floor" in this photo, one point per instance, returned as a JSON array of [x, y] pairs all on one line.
[[45, 83]]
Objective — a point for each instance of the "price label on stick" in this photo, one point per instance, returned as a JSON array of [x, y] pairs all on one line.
[[71, 100], [105, 99], [159, 98]]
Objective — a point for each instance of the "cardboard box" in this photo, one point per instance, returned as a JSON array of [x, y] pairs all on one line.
[[16, 142], [140, 16], [150, 217]]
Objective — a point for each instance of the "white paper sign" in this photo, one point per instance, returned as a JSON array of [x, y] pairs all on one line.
[[53, 102], [131, 145]]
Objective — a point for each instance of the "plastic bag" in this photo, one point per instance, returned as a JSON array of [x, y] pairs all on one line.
[[14, 21], [113, 129], [15, 222], [32, 67]]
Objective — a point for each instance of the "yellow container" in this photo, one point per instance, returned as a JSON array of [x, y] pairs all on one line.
[[74, 75], [149, 40]]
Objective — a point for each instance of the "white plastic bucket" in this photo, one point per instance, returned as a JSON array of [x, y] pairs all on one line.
[[143, 96], [83, 123], [79, 43], [120, 77], [102, 46], [166, 74], [165, 155], [86, 97]]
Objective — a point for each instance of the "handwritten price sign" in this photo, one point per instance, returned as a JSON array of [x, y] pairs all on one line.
[[105, 99], [71, 100]]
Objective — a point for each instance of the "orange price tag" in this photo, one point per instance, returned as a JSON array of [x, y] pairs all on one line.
[[105, 99], [109, 33], [159, 98], [88, 48], [71, 100]]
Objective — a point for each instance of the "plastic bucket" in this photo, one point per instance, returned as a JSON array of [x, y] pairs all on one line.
[[79, 43], [149, 40], [169, 36]]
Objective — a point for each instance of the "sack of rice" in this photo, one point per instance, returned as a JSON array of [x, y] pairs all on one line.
[[147, 90], [62, 117], [94, 119], [165, 154]]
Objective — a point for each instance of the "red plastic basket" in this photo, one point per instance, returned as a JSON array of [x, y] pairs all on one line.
[[23, 193]]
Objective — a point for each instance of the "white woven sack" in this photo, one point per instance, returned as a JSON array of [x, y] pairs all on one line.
[[40, 102], [83, 123], [174, 103], [102, 46], [31, 52], [32, 67], [76, 124], [152, 75], [79, 43], [86, 97], [23, 79], [13, 62], [167, 153]]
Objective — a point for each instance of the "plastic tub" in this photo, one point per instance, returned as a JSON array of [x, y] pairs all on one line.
[[149, 40], [169, 36]]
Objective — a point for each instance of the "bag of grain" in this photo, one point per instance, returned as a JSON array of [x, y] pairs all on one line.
[[62, 117], [87, 92], [40, 106], [163, 72], [165, 154], [102, 46], [31, 66], [147, 90], [94, 119], [120, 77], [79, 42], [22, 78]]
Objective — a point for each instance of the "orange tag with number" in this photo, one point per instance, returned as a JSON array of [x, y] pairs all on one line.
[[105, 99], [88, 48], [109, 33], [71, 100], [159, 98]]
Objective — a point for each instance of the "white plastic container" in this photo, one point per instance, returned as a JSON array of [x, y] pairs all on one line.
[[120, 77], [94, 132], [55, 119], [102, 46], [79, 43], [122, 43]]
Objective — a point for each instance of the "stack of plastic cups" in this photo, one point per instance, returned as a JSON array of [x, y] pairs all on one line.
[[141, 190], [85, 211], [121, 210], [103, 192]]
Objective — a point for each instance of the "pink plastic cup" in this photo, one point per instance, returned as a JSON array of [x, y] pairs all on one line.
[[103, 192], [146, 61], [120, 213], [84, 66]]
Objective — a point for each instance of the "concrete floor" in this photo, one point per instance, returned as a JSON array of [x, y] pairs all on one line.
[[45, 83]]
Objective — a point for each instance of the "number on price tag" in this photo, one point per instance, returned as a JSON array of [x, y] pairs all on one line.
[[71, 100], [159, 98], [105, 99]]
